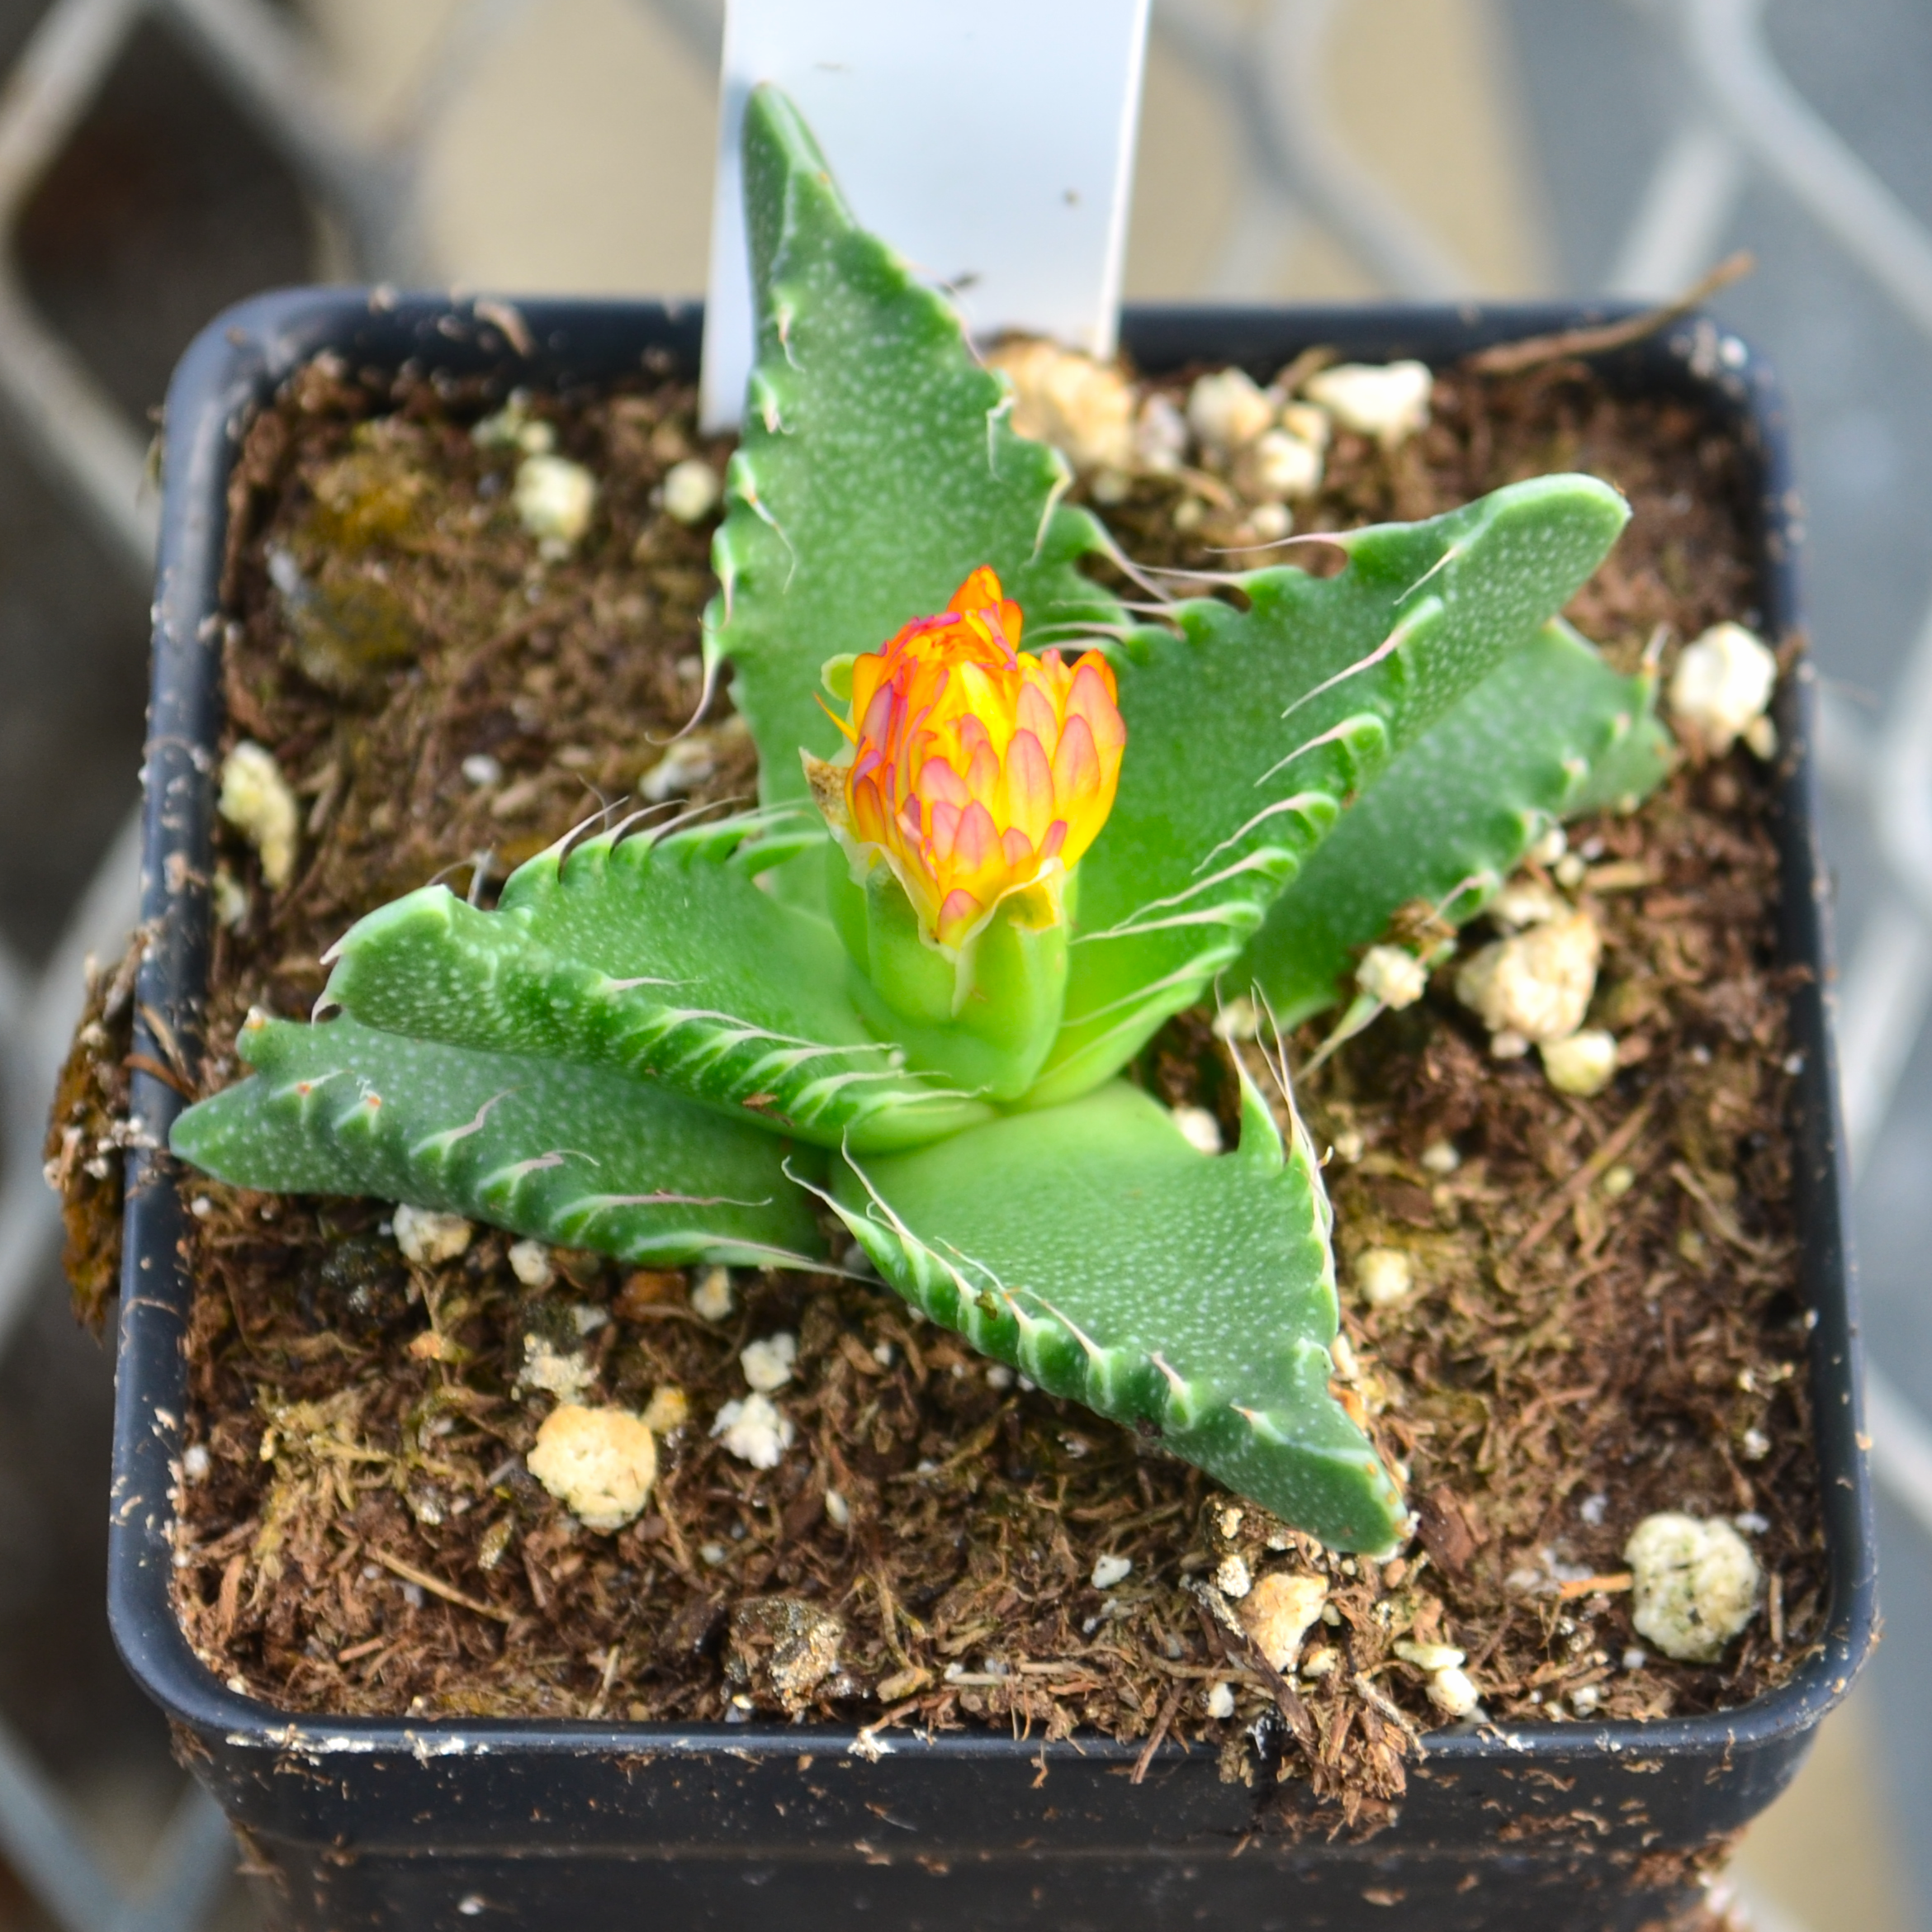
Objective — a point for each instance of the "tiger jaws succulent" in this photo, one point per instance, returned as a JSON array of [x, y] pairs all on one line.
[[1007, 828]]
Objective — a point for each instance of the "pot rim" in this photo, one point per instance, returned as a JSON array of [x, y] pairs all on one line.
[[242, 355]]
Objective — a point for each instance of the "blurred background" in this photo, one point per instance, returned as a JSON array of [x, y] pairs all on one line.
[[157, 161]]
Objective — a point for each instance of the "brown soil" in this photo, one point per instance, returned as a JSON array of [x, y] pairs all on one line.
[[1607, 1324]]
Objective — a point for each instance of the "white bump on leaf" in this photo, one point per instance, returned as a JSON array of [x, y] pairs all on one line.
[[598, 1463], [257, 801], [1693, 1584], [1721, 685]]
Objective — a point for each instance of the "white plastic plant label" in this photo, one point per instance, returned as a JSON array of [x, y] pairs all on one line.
[[991, 141]]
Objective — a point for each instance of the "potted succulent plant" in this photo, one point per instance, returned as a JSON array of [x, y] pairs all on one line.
[[1021, 810]]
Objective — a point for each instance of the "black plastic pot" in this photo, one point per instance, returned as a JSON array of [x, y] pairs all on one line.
[[436, 1824]]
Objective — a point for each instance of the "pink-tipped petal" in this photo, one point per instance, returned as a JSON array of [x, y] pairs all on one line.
[[977, 838], [1035, 712], [944, 827], [937, 780], [1092, 699], [1030, 786], [1077, 767]]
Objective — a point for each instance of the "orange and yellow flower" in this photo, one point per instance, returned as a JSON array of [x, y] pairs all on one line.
[[978, 772]]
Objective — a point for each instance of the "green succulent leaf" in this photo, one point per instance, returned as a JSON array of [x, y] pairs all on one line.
[[570, 1155], [1094, 1249], [1553, 732], [876, 468], [1247, 731], [657, 957]]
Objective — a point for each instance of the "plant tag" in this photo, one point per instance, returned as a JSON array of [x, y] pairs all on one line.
[[992, 139]]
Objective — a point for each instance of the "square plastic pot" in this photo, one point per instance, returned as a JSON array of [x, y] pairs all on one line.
[[444, 1823]]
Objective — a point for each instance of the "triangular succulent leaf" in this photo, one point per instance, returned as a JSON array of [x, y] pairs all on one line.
[[1094, 1249], [661, 959], [564, 1153], [1551, 733], [1249, 731], [876, 467]]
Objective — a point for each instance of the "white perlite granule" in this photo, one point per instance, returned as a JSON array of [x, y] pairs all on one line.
[[256, 800], [427, 1237], [1693, 1584], [598, 1463]]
